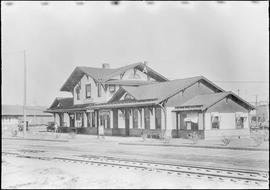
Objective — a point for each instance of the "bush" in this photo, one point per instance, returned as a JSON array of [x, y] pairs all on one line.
[[72, 134], [266, 135], [226, 140], [14, 133], [194, 137], [258, 139]]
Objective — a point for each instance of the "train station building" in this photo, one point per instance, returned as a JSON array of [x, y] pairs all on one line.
[[129, 100]]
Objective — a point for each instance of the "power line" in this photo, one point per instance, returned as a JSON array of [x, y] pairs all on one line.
[[242, 81]]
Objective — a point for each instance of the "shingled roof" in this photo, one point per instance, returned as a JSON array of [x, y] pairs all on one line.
[[207, 100], [163, 90], [65, 104], [102, 75]]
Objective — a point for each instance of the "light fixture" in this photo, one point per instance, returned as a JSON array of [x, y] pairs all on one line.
[[9, 3], [80, 3], [115, 2], [44, 3]]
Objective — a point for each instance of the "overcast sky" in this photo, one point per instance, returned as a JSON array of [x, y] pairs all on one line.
[[223, 42]]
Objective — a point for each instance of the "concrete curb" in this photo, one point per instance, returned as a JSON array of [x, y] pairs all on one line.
[[213, 147], [37, 139]]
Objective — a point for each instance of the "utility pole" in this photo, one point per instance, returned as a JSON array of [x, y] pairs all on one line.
[[256, 104], [24, 98], [238, 92]]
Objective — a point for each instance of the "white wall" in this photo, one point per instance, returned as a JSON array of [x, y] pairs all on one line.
[[200, 121], [57, 119], [66, 119], [105, 95], [170, 118], [227, 127], [227, 121], [152, 119]]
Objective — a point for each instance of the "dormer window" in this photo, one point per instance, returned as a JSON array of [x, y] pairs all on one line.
[[112, 88], [99, 90], [78, 90], [88, 90]]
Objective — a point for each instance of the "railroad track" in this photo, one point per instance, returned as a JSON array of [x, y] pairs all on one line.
[[254, 177]]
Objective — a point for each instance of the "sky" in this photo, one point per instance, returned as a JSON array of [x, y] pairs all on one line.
[[228, 43]]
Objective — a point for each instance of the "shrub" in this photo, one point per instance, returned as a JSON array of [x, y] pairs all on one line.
[[72, 134], [258, 139], [14, 133], [194, 137], [226, 140], [266, 135]]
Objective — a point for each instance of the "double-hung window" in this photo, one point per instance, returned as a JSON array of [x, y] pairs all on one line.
[[99, 90], [88, 90], [215, 120]]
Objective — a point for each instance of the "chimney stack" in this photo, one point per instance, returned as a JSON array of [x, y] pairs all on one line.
[[105, 66]]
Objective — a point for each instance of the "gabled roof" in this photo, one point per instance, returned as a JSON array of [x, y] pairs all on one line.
[[66, 104], [129, 82], [207, 100], [60, 103], [163, 90], [96, 73], [103, 75]]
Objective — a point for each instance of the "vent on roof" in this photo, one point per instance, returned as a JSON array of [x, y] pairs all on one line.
[[105, 66]]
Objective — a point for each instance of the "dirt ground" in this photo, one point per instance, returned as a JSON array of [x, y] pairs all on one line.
[[27, 173]]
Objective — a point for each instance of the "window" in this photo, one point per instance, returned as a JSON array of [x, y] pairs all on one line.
[[88, 90], [191, 121], [239, 121], [78, 90], [188, 125], [112, 88], [99, 90], [215, 121]]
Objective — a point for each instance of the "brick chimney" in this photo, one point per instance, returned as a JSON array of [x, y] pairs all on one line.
[[105, 66]]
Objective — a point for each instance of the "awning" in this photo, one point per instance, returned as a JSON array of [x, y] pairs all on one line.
[[192, 118]]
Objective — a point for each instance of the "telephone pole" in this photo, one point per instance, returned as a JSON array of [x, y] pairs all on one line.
[[256, 104], [24, 98]]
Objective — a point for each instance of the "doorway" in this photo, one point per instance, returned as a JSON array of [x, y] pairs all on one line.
[[147, 118], [72, 119], [127, 122]]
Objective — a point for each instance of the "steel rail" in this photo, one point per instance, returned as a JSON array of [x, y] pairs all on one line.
[[170, 171]]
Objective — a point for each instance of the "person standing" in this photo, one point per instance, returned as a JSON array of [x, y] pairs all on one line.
[[101, 131]]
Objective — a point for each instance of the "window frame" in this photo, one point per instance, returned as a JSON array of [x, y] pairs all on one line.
[[215, 122], [78, 91], [112, 86], [99, 90], [86, 95]]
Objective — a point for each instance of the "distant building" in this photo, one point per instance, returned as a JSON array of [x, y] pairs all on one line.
[[13, 114], [133, 99], [260, 113]]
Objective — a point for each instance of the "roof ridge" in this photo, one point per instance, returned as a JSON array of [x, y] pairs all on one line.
[[115, 72]]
